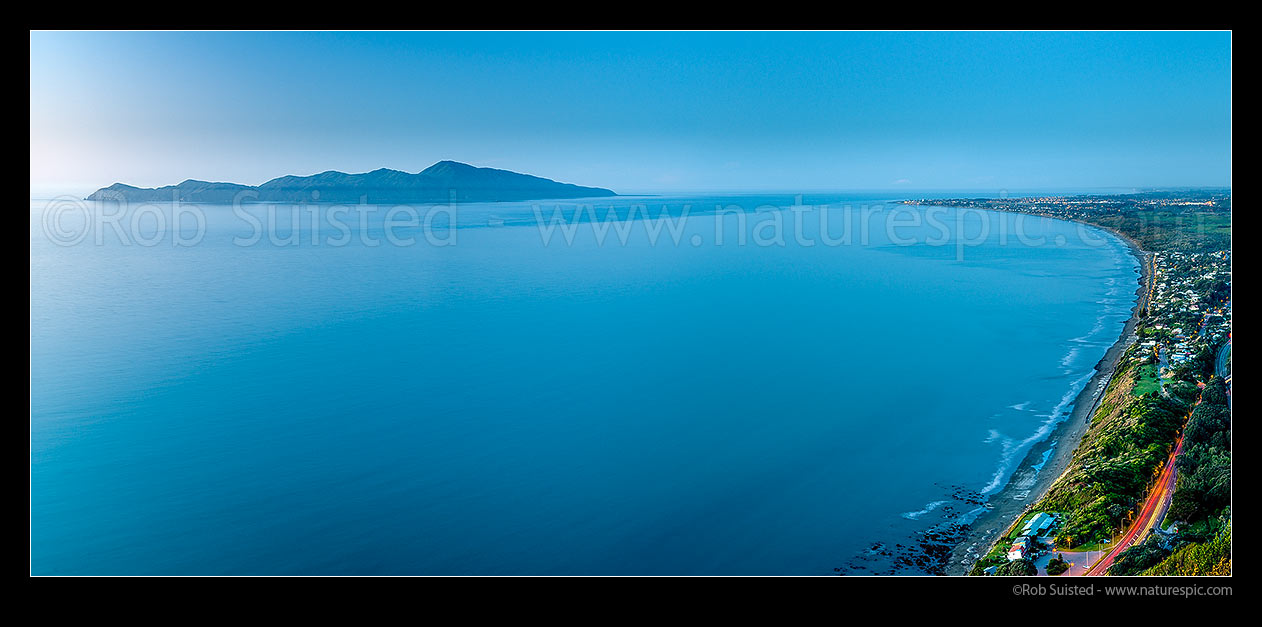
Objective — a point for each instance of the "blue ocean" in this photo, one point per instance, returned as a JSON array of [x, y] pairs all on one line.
[[756, 384]]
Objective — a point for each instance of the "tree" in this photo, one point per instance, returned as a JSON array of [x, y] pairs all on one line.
[[1019, 568], [1057, 565], [1140, 557]]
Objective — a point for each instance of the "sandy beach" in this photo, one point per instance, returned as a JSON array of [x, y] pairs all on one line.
[[1033, 477]]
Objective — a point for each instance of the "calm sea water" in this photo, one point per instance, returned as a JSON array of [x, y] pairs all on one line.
[[499, 405]]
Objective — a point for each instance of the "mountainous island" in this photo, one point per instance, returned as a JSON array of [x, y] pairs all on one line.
[[444, 181]]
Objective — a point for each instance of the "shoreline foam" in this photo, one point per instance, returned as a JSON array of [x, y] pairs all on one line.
[[1048, 459]]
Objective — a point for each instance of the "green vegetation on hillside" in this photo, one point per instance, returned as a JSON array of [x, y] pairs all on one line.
[[1202, 498], [1140, 557], [1199, 558], [1203, 487], [1125, 447]]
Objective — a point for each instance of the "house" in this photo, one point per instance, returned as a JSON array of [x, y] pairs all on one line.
[[1020, 548], [1017, 552], [1038, 524]]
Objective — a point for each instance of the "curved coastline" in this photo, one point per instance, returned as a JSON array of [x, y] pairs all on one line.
[[1048, 458]]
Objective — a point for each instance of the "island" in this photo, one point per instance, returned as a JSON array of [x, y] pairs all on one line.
[[445, 181]]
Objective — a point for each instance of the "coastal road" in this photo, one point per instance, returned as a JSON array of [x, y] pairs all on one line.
[[1152, 513], [1154, 510]]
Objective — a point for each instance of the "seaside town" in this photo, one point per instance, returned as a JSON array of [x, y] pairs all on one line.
[[1148, 489]]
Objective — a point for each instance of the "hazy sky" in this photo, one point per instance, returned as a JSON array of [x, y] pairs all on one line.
[[638, 111]]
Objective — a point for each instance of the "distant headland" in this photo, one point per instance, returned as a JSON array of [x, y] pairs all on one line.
[[444, 181]]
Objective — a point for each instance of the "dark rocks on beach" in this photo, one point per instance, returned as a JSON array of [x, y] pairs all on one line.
[[929, 549], [926, 554], [966, 495]]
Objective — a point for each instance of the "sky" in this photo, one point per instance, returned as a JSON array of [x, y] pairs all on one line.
[[638, 111]]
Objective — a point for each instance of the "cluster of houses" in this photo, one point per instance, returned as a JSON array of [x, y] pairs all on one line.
[[1027, 546], [1038, 525], [1175, 299]]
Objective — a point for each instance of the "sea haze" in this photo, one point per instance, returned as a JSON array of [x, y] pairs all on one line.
[[502, 406]]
